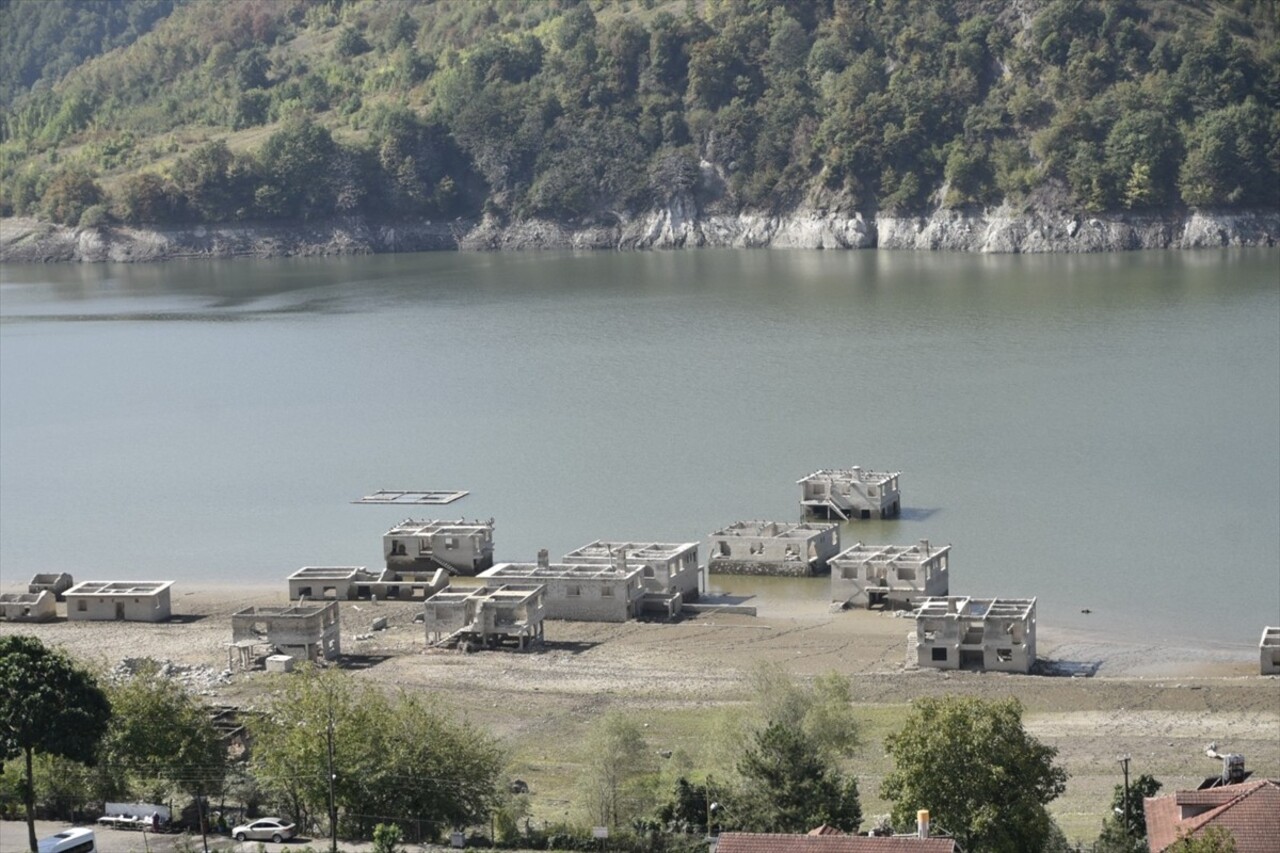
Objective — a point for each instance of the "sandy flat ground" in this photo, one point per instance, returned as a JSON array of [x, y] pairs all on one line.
[[1160, 704]]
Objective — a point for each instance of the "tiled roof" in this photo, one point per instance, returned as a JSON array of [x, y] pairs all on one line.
[[1250, 811], [750, 842]]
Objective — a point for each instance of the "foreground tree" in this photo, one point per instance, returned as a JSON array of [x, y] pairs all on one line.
[[1119, 836], [48, 705], [163, 737], [790, 786], [1215, 839], [977, 771], [390, 755], [618, 767]]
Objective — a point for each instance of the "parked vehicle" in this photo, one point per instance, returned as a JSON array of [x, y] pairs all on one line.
[[68, 841], [275, 829]]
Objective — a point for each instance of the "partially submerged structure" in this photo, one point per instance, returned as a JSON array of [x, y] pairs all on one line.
[[28, 607], [56, 583], [304, 632], [350, 583], [849, 493], [129, 601], [487, 616], [1269, 652], [669, 571], [889, 575], [958, 632], [773, 548], [584, 593], [459, 547]]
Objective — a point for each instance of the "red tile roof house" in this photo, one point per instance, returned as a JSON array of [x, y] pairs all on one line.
[[768, 842], [1250, 811]]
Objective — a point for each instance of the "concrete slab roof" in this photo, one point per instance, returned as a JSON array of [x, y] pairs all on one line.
[[605, 550], [854, 474], [390, 496], [966, 607], [918, 553], [775, 529], [430, 527], [559, 571], [118, 588], [328, 573]]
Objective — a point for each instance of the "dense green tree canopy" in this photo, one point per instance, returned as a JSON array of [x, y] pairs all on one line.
[[48, 706], [570, 110], [977, 771], [790, 786]]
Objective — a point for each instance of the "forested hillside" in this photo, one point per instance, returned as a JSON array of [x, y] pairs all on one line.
[[162, 111]]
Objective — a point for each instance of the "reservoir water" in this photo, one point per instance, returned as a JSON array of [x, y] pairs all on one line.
[[1102, 432]]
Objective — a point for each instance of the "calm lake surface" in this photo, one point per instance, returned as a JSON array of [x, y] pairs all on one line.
[[1102, 432]]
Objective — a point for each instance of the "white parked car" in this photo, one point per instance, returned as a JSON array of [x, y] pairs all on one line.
[[275, 829]]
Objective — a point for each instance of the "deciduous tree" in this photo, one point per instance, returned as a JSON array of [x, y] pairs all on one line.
[[48, 705], [977, 771]]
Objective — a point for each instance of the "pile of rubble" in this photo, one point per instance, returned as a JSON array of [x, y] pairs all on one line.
[[200, 678]]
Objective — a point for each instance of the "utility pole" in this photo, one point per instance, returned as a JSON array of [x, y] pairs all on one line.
[[333, 808], [1128, 827]]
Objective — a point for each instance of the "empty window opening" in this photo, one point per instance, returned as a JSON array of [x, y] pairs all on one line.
[[907, 574], [330, 592], [722, 549], [606, 592], [1004, 655], [573, 591], [939, 654], [82, 606]]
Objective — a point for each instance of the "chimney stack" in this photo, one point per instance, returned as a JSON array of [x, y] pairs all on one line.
[[922, 823], [544, 558]]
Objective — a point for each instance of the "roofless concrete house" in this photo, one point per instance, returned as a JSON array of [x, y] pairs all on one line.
[[55, 582], [669, 572], [28, 607], [488, 616], [889, 575], [129, 601], [583, 593], [350, 583], [459, 547], [304, 632], [850, 493], [773, 548], [1269, 652], [958, 632]]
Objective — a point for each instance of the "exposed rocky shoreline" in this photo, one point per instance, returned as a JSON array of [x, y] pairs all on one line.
[[678, 225]]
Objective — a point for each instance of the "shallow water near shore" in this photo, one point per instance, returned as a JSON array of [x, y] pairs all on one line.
[[1101, 432]]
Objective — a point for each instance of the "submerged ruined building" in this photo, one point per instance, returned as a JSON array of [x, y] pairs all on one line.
[[487, 616], [773, 548], [669, 572], [56, 583], [1269, 652], [584, 593], [304, 632], [850, 493], [889, 575], [28, 607], [129, 601], [959, 632], [351, 583], [459, 547]]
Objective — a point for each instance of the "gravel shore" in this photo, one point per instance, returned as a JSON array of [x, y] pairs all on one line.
[[1108, 695]]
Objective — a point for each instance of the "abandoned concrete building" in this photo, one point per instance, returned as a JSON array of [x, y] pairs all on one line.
[[582, 593], [669, 571], [889, 575], [773, 548], [28, 607], [56, 583], [304, 632], [958, 632], [351, 583], [129, 601], [1269, 651], [850, 493], [487, 616], [459, 547]]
